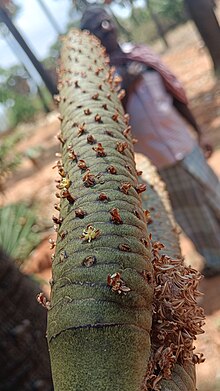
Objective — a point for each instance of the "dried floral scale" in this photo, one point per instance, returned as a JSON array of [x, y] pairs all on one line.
[[177, 317]]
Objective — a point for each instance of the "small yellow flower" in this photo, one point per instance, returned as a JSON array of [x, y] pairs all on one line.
[[90, 233], [65, 183]]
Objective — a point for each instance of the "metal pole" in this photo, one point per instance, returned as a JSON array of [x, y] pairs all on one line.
[[50, 17], [16, 53], [51, 86]]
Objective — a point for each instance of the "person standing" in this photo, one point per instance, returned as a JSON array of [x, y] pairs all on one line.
[[160, 118]]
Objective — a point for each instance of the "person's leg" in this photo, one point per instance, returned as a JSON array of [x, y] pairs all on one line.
[[194, 213]]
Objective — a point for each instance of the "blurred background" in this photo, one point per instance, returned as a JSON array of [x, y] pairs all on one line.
[[185, 33], [29, 43]]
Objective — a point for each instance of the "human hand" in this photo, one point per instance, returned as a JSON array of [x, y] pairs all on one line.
[[206, 147], [130, 74]]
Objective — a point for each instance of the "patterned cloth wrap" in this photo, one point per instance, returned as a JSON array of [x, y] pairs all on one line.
[[194, 191]]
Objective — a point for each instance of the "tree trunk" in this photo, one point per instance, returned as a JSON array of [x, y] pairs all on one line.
[[158, 25], [202, 13], [24, 356], [50, 84]]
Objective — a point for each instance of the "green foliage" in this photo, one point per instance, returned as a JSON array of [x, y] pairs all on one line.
[[141, 22], [16, 96], [9, 159], [23, 110], [140, 25], [171, 11], [18, 230]]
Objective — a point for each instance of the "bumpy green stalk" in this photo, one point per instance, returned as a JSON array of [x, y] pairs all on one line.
[[100, 316]]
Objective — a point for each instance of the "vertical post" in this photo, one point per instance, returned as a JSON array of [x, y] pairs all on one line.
[[203, 15], [50, 84], [50, 17]]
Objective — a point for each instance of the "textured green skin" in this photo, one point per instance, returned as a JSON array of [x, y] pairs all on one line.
[[163, 227], [98, 339]]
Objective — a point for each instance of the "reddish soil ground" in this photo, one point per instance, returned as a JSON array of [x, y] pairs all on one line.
[[35, 182]]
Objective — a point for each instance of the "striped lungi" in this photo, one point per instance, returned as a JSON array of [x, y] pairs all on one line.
[[194, 192]]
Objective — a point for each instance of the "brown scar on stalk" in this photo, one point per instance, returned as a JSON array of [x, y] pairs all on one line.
[[51, 282], [57, 99], [124, 247], [115, 216], [72, 155], [66, 194], [117, 80], [137, 214], [120, 147], [125, 187], [127, 131], [41, 299], [59, 165], [103, 197], [87, 112], [98, 119], [128, 168], [81, 129], [80, 213], [89, 179], [115, 116], [89, 261], [82, 164], [126, 118], [95, 96], [98, 70], [117, 284], [63, 256], [121, 94], [61, 172], [140, 188], [109, 133], [69, 82], [91, 139], [60, 118], [57, 207], [148, 276], [63, 234], [147, 215], [156, 247], [100, 152], [60, 138], [145, 242], [52, 243], [57, 220], [111, 169]]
